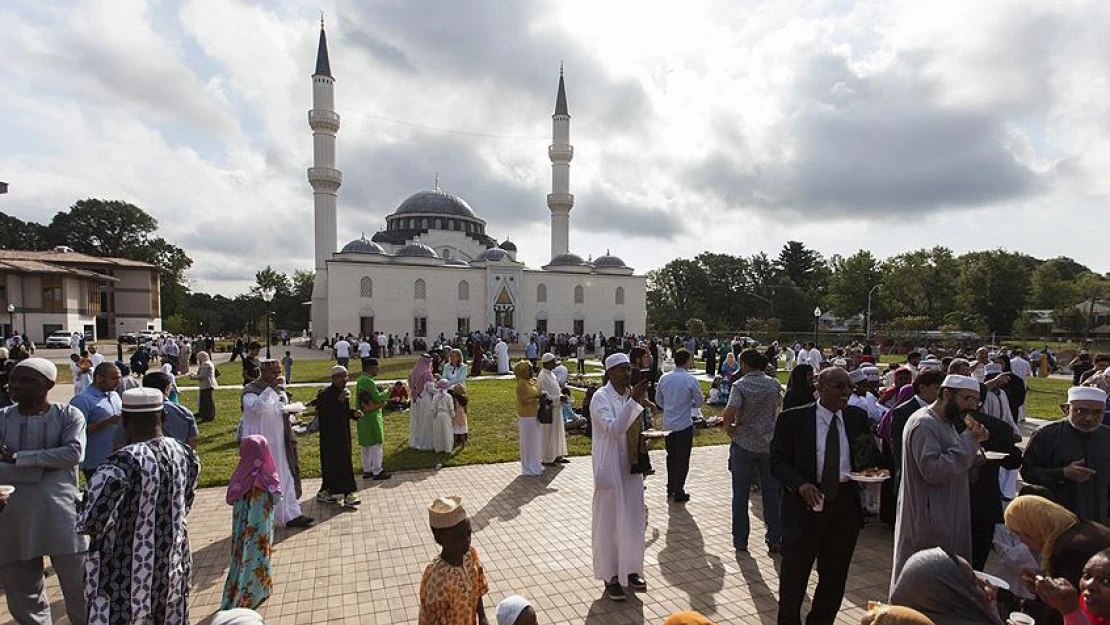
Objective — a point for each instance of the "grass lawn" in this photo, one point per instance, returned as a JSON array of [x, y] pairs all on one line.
[[493, 434]]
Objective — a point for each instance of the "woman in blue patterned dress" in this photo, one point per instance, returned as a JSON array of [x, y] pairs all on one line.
[[254, 489]]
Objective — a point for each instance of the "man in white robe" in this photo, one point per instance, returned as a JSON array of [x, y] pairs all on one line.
[[264, 414], [501, 349], [618, 504], [553, 435]]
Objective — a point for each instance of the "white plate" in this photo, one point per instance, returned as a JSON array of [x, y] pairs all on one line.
[[7, 490], [294, 408], [655, 433], [992, 580], [868, 479], [995, 455]]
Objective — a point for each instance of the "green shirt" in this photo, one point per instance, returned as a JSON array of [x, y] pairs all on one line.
[[371, 426]]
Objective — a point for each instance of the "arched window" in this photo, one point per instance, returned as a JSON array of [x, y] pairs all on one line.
[[366, 287], [464, 290], [579, 294], [424, 223], [541, 293], [439, 223], [420, 290], [620, 295]]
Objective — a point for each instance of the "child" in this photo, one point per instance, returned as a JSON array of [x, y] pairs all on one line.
[[287, 368], [571, 421], [443, 412], [398, 396], [254, 489], [453, 585]]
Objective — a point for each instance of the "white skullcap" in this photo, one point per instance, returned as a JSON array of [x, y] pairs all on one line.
[[873, 374], [548, 357], [840, 362], [857, 376], [142, 400], [930, 363], [992, 368], [1086, 393], [41, 365], [961, 382], [446, 512], [336, 370], [619, 358], [237, 616], [508, 611]]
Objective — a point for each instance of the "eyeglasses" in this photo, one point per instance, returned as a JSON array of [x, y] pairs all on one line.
[[1086, 412], [969, 399]]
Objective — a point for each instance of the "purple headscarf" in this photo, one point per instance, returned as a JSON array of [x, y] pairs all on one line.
[[904, 395], [256, 469]]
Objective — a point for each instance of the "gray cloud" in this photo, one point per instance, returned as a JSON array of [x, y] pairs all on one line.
[[383, 51], [597, 211]]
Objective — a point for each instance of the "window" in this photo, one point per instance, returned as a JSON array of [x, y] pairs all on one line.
[[439, 224], [420, 290], [464, 325], [424, 223], [464, 290], [579, 327], [52, 294], [366, 287], [541, 293], [620, 296], [579, 294], [618, 328], [541, 325], [420, 326]]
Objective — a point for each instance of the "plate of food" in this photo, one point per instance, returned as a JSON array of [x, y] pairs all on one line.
[[6, 489], [655, 433], [870, 476], [992, 580], [995, 455], [296, 407]]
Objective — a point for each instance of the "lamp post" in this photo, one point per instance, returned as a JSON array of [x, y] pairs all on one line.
[[869, 311], [816, 323], [267, 296], [11, 318]]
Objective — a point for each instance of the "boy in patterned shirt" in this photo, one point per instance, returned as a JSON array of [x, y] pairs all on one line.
[[453, 585]]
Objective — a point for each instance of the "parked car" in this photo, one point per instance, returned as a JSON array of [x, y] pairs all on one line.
[[128, 337], [59, 338]]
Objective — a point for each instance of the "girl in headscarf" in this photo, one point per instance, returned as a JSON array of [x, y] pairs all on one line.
[[799, 387], [206, 376], [254, 488], [1062, 542], [944, 588], [527, 407], [420, 414]]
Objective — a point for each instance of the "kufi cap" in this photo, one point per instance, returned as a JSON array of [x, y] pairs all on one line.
[[873, 374], [619, 358], [857, 376], [41, 365], [446, 512], [508, 611], [961, 382], [992, 368], [337, 370], [237, 616], [1086, 393], [840, 362], [548, 357], [930, 363], [3, 353], [142, 400]]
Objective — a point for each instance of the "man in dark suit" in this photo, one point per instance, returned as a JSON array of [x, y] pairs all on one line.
[[814, 449]]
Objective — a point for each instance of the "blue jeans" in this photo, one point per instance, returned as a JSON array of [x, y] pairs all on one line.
[[742, 463]]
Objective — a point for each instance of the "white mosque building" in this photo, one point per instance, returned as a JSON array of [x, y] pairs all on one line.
[[435, 269]]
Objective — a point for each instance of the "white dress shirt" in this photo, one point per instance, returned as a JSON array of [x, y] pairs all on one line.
[[824, 418]]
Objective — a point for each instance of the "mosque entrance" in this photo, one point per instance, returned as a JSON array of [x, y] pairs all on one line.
[[503, 309]]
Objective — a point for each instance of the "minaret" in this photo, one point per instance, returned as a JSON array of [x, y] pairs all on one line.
[[560, 201], [325, 180]]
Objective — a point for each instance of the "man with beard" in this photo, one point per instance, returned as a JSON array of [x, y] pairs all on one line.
[[934, 502], [1068, 457]]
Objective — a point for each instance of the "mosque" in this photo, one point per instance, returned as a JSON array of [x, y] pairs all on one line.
[[435, 268]]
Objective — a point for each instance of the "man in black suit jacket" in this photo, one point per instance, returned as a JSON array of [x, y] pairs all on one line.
[[821, 511]]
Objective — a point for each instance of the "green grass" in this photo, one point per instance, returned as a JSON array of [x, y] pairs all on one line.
[[492, 423]]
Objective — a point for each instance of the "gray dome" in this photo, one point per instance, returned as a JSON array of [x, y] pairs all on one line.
[[417, 249], [437, 202], [609, 261], [508, 246], [456, 262], [568, 258], [493, 253], [362, 246]]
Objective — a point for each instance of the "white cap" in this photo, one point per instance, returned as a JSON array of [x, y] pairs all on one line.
[[337, 370], [41, 365], [142, 400], [857, 376], [961, 382], [840, 362], [992, 368], [548, 357], [446, 512], [619, 358], [1086, 393], [510, 608], [930, 363], [873, 374]]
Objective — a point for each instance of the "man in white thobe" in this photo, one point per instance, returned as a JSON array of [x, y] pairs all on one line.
[[502, 351], [553, 435], [618, 504], [264, 414]]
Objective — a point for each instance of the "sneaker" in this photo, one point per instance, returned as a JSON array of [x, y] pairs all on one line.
[[562, 461], [325, 497], [635, 582], [382, 476], [614, 591], [366, 475], [301, 521], [681, 497], [350, 500]]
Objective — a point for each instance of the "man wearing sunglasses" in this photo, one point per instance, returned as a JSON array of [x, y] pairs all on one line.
[[1072, 456]]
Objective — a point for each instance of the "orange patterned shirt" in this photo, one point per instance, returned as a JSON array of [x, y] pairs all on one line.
[[449, 595]]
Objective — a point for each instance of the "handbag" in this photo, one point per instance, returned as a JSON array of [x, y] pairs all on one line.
[[545, 414]]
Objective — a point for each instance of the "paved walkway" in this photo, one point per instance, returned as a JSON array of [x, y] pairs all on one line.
[[533, 535]]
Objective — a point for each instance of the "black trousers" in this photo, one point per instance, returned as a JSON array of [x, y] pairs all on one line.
[[829, 538], [679, 444]]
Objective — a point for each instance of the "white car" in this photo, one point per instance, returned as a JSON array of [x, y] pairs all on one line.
[[59, 338]]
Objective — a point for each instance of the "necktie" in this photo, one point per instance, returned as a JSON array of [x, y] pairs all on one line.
[[830, 470]]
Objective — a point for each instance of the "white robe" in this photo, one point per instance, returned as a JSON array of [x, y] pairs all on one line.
[[529, 429], [868, 404], [554, 434], [443, 435], [502, 351], [420, 419], [618, 505], [262, 415]]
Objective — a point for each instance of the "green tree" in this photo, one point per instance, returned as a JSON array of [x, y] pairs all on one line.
[[16, 234], [921, 283], [676, 291], [1053, 284], [1090, 287], [801, 265], [851, 279], [995, 284], [696, 327]]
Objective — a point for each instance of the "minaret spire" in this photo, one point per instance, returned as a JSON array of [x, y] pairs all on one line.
[[325, 179], [560, 201], [323, 65]]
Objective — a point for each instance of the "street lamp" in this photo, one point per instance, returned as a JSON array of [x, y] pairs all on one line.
[[11, 318], [267, 293], [816, 323], [869, 311]]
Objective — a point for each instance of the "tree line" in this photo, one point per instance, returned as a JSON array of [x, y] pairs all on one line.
[[985, 291]]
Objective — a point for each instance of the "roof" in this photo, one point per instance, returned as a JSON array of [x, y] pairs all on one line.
[[436, 202], [323, 67], [73, 258], [561, 97], [34, 266]]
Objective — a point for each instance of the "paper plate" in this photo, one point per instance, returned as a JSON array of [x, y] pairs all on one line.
[[992, 580], [995, 455], [868, 479], [294, 407], [655, 433], [7, 489]]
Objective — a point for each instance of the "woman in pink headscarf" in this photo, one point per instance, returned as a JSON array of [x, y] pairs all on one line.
[[420, 414], [254, 489]]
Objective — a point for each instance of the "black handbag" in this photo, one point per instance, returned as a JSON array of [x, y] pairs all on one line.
[[545, 415]]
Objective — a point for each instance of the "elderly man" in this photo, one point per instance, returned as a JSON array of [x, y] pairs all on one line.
[[40, 446], [135, 517], [934, 502], [554, 434], [101, 406], [618, 503], [264, 414], [1069, 457]]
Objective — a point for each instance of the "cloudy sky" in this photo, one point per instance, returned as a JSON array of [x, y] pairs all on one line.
[[722, 125]]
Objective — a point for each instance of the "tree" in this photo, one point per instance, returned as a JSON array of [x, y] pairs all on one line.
[[921, 283], [16, 234], [1091, 287], [995, 284], [696, 327], [801, 265], [676, 292], [852, 279], [1053, 285]]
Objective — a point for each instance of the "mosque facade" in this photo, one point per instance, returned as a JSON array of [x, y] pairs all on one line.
[[435, 269]]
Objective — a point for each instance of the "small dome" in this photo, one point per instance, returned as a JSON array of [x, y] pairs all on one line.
[[417, 248], [568, 258], [493, 254], [508, 246], [456, 262], [362, 246], [609, 261], [436, 201]]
